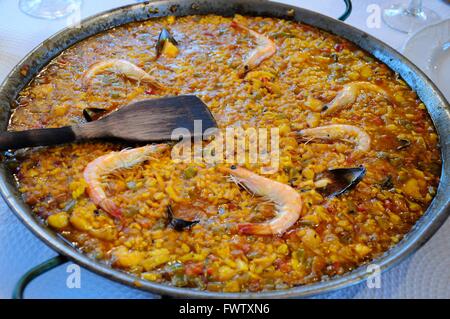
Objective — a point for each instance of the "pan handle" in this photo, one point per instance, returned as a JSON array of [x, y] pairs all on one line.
[[348, 10], [36, 272]]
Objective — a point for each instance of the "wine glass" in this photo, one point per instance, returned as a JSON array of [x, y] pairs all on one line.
[[409, 18], [49, 9]]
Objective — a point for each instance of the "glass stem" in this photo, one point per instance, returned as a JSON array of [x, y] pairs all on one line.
[[415, 7]]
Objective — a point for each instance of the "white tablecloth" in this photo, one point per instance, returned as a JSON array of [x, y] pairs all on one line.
[[426, 274]]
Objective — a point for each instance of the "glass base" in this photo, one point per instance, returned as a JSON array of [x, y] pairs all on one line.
[[49, 9], [400, 18]]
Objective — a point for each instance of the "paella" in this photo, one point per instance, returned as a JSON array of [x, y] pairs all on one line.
[[358, 157]]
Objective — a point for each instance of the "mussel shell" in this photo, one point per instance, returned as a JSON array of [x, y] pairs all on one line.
[[404, 143], [164, 36], [177, 223], [92, 114], [387, 183], [343, 180]]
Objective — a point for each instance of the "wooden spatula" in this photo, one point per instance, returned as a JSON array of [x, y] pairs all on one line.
[[151, 120]]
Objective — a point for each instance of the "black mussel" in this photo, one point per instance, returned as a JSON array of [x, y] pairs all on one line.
[[12, 164], [9, 154], [178, 223], [92, 114], [10, 160], [68, 207], [404, 143], [387, 183], [342, 180], [164, 36]]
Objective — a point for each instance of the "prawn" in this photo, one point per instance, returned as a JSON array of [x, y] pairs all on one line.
[[124, 67], [108, 163], [349, 94], [346, 133], [265, 49], [288, 202]]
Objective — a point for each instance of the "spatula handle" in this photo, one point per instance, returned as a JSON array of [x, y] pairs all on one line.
[[38, 137]]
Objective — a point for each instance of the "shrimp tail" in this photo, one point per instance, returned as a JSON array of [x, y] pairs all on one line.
[[235, 25], [112, 209], [254, 229], [152, 82], [106, 203]]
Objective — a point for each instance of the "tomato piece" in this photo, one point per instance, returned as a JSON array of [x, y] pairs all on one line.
[[389, 205], [378, 121], [361, 208], [194, 269], [339, 47], [336, 265], [355, 118], [419, 129]]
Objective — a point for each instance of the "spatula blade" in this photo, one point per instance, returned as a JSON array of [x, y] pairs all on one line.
[[155, 120]]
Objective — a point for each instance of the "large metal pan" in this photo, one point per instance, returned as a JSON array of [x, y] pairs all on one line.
[[437, 107]]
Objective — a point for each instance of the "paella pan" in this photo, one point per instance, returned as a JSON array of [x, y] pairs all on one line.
[[261, 232]]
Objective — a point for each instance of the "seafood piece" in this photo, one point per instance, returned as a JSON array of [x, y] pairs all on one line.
[[349, 94], [265, 49], [110, 162], [288, 202], [92, 114], [178, 223], [343, 132], [404, 143], [387, 183], [341, 180], [166, 43], [119, 66]]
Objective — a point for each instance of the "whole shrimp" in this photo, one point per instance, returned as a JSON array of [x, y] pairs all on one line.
[[265, 49], [123, 67], [288, 203], [110, 162], [349, 94], [347, 133]]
